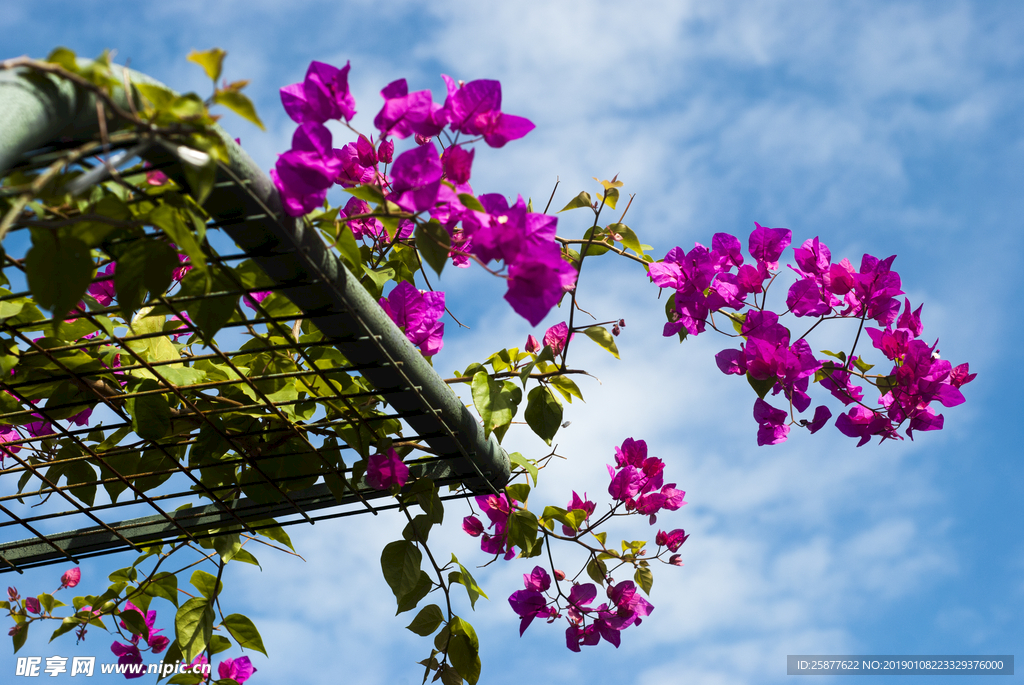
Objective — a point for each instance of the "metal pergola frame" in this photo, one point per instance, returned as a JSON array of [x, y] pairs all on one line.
[[41, 114]]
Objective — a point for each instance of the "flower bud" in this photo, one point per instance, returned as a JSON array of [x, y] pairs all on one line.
[[675, 560], [385, 151], [532, 345], [559, 574], [421, 140]]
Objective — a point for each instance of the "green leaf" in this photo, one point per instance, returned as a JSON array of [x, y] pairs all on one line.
[[862, 365], [841, 356], [378, 277], [193, 627], [66, 626], [427, 620], [597, 570], [418, 530], [602, 337], [492, 401], [464, 650], [434, 243], [761, 387], [520, 492], [522, 531], [466, 579], [543, 413], [581, 200], [58, 271], [145, 265], [367, 193], [206, 584], [400, 562], [470, 202], [590, 249], [163, 585], [169, 219], [245, 633], [348, 248], [209, 313], [629, 239], [63, 57], [20, 636], [200, 173], [566, 387], [527, 464], [240, 105], [227, 546], [151, 414], [211, 61], [275, 532], [610, 196], [645, 579], [160, 97], [419, 591], [135, 622]]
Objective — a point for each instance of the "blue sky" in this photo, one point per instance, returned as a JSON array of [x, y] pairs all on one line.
[[883, 127]]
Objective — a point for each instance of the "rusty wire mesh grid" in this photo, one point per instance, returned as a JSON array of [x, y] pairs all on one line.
[[84, 477]]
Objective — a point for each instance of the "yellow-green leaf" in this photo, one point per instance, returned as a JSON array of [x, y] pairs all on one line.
[[210, 60], [240, 105]]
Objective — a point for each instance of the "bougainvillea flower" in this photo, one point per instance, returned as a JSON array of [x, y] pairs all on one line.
[[254, 299], [239, 670], [130, 657], [861, 422], [303, 174], [472, 526], [7, 435], [911, 320], [416, 178], [323, 95], [960, 375], [385, 151], [537, 282], [821, 417], [32, 605], [772, 428], [767, 244], [367, 225], [631, 453], [71, 577], [528, 605], [556, 337], [475, 109], [103, 290], [499, 232], [581, 503], [537, 580], [385, 469], [156, 642], [417, 313], [807, 298], [673, 540], [726, 250], [457, 164], [625, 484], [532, 346], [405, 113], [813, 257]]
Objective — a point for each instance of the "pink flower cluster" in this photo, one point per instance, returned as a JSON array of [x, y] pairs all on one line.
[[704, 282], [420, 179], [625, 608], [638, 481], [498, 509]]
